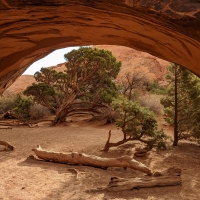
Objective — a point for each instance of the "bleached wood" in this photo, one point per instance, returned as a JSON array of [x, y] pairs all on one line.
[[91, 160], [170, 177]]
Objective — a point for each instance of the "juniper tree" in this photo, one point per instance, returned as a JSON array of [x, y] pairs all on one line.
[[181, 103], [86, 84], [22, 107], [137, 123]]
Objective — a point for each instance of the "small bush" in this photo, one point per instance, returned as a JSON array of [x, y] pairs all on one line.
[[38, 111], [138, 123], [155, 88], [160, 140], [109, 115], [6, 103], [22, 106], [152, 101]]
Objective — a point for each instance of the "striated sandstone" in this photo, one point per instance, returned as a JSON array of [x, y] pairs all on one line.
[[31, 29]]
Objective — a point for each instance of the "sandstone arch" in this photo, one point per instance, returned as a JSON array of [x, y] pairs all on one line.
[[31, 29]]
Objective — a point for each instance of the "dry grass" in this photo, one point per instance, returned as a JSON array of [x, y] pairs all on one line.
[[152, 101], [38, 111]]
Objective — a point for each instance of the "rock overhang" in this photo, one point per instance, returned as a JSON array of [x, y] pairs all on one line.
[[31, 29]]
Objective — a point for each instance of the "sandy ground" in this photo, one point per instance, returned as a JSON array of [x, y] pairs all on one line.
[[22, 179]]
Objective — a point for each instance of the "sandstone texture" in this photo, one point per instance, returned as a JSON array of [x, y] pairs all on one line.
[[135, 61], [31, 29], [19, 85]]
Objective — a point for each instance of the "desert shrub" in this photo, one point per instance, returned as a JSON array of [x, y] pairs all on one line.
[[88, 76], [155, 88], [108, 115], [22, 106], [152, 101], [138, 123], [160, 140], [38, 111], [6, 103]]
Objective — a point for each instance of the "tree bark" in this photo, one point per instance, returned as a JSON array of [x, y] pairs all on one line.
[[175, 142], [170, 177], [59, 118], [61, 113], [91, 160]]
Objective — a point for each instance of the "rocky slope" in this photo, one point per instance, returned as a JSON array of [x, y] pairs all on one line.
[[137, 60], [19, 85]]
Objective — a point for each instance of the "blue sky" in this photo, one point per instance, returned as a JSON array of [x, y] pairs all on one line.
[[52, 59]]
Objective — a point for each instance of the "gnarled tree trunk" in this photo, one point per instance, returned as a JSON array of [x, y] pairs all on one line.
[[62, 111]]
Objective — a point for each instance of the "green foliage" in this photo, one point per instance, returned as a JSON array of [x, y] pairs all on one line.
[[22, 106], [137, 122], [43, 94], [88, 77], [6, 103], [155, 88], [93, 72], [160, 139], [182, 108]]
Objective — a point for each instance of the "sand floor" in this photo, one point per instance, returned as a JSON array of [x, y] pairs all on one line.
[[24, 179]]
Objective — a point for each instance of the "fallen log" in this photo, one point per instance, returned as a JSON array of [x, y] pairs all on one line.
[[7, 145], [169, 177], [6, 127], [90, 160]]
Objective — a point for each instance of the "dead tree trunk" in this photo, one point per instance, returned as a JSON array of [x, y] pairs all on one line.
[[7, 145], [169, 177], [91, 160]]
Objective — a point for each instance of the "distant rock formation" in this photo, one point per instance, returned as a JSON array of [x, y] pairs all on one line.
[[131, 60], [19, 85], [137, 60]]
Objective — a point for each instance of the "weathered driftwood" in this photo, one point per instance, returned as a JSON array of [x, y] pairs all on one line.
[[8, 123], [91, 160], [170, 177], [7, 145], [6, 127]]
